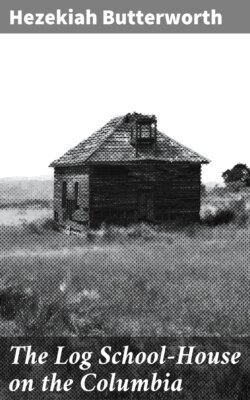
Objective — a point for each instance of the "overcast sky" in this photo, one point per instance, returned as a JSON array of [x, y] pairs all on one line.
[[58, 89]]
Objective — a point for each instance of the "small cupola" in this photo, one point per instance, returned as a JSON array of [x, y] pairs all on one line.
[[143, 129]]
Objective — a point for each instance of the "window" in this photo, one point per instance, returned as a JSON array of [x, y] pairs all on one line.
[[56, 216], [145, 131], [76, 193], [64, 194]]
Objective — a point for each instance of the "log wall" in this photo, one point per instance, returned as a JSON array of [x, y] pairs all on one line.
[[155, 192]]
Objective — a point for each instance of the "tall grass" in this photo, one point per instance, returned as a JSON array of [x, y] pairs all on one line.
[[139, 281]]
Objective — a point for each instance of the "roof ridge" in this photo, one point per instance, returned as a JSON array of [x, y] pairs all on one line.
[[185, 147]]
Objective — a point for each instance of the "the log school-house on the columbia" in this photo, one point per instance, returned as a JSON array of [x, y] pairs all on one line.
[[127, 172]]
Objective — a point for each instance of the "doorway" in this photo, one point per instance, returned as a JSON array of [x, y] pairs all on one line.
[[145, 205], [70, 209]]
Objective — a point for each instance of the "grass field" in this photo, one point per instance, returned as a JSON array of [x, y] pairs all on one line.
[[138, 281]]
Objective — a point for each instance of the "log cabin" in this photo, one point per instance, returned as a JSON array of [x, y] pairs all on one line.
[[127, 172]]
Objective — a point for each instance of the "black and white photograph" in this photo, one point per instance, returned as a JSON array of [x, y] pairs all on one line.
[[125, 200]]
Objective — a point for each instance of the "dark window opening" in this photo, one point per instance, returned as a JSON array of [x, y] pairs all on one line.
[[64, 194], [56, 216], [76, 193]]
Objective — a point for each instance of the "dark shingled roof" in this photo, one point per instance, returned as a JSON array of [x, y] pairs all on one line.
[[112, 144]]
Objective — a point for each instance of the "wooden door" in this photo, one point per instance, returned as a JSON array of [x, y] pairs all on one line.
[[145, 205]]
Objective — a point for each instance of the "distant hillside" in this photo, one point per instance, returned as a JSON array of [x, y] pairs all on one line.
[[27, 178], [20, 191]]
